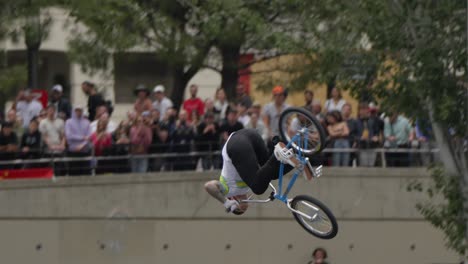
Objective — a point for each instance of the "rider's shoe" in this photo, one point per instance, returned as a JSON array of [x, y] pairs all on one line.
[[285, 155], [231, 205]]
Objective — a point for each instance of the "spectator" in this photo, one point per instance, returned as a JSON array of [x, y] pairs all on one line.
[[13, 118], [256, 123], [308, 97], [121, 146], [155, 125], [317, 111], [193, 103], [398, 134], [242, 114], [182, 139], [272, 112], [319, 256], [62, 105], [210, 107], [221, 104], [353, 130], [161, 102], [169, 120], [208, 140], [43, 115], [77, 132], [156, 118], [102, 142], [103, 114], [53, 137], [230, 125], [242, 96], [131, 117], [140, 140], [425, 141], [196, 119], [95, 99], [121, 137], [369, 131], [161, 144], [52, 132], [28, 108], [336, 102], [8, 144], [143, 102], [31, 142], [256, 109], [338, 133], [374, 113]]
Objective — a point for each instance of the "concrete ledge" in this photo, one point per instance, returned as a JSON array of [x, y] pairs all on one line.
[[351, 193], [166, 177]]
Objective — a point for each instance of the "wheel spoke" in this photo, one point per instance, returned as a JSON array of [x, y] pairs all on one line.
[[297, 119], [320, 222]]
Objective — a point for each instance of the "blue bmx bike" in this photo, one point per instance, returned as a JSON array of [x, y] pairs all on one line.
[[304, 134]]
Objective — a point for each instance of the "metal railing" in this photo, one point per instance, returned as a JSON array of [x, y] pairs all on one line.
[[94, 162]]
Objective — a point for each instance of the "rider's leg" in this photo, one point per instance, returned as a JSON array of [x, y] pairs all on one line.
[[243, 151], [268, 163], [215, 189]]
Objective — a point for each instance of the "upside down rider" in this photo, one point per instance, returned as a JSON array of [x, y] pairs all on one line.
[[248, 167]]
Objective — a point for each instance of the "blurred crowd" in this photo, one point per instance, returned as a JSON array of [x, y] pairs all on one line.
[[193, 132]]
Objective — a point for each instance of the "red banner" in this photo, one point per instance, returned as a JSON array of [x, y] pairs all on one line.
[[244, 72], [40, 173]]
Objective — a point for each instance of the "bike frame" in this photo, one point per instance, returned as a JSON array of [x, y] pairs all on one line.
[[283, 196]]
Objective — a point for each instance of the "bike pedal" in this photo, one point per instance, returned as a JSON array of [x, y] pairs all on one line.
[[318, 171]]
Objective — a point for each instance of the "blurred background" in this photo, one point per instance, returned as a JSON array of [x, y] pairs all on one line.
[[113, 114]]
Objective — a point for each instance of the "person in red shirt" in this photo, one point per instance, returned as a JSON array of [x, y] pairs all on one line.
[[102, 141], [194, 103]]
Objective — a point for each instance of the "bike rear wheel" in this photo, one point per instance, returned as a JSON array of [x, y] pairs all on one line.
[[323, 223], [295, 119]]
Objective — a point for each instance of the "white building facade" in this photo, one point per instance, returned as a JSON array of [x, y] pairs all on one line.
[[126, 70]]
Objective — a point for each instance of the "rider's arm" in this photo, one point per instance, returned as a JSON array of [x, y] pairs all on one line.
[[214, 188]]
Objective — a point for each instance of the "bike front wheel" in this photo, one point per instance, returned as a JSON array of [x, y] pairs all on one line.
[[294, 121], [314, 217]]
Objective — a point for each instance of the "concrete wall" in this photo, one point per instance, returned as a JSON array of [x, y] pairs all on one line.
[[168, 218]]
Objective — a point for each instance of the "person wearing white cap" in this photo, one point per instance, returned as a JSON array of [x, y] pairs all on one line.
[[62, 105], [161, 102]]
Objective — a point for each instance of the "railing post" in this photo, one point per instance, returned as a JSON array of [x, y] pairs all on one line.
[[93, 161], [382, 157]]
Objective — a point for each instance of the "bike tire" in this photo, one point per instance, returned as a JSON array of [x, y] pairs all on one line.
[[284, 122], [304, 222]]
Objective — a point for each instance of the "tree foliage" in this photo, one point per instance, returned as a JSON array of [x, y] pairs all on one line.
[[444, 208], [412, 56], [185, 35]]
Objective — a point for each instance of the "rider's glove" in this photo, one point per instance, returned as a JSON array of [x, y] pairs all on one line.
[[231, 205]]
